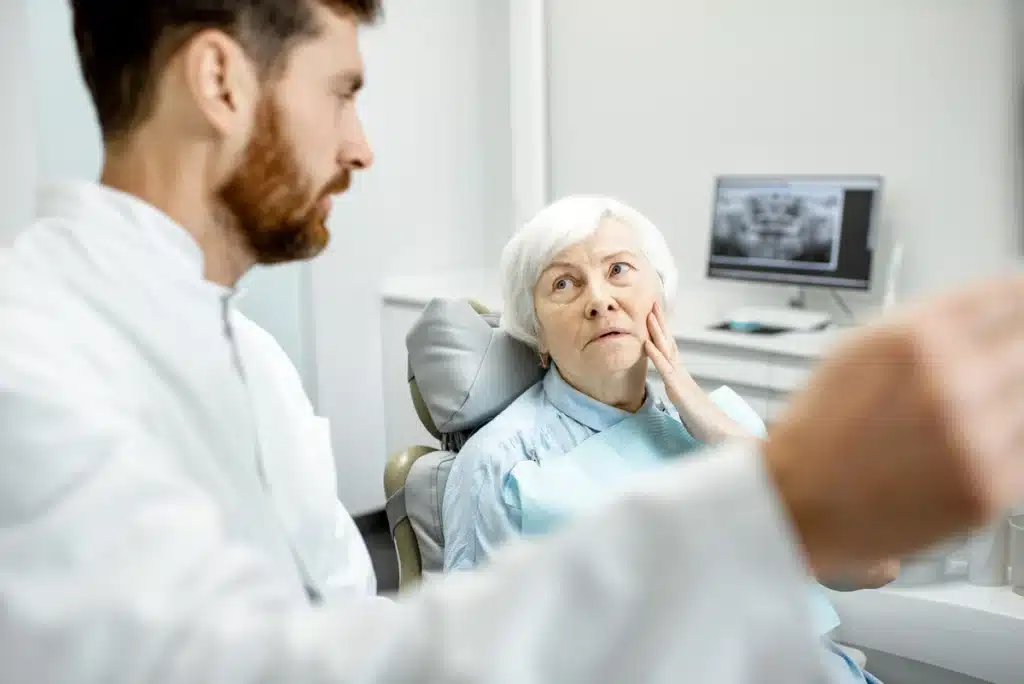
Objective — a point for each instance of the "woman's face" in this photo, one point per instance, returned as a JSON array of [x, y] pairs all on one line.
[[592, 303]]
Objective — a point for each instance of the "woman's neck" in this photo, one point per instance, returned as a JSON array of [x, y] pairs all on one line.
[[626, 390]]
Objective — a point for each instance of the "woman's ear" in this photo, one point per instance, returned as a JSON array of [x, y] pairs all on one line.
[[545, 357]]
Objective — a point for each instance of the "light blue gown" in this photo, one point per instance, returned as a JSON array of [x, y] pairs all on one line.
[[556, 452]]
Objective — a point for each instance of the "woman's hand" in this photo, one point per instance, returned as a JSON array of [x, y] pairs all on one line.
[[699, 414]]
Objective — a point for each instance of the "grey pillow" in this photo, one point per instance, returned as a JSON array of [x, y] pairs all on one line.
[[468, 369]]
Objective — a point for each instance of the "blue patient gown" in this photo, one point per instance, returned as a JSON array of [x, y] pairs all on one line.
[[603, 465], [555, 453], [593, 472]]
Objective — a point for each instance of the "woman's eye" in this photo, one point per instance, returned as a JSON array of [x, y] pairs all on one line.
[[620, 268], [561, 283]]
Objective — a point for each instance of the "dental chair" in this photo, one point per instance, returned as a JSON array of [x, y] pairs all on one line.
[[463, 371]]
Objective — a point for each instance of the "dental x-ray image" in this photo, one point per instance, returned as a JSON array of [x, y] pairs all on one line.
[[793, 225]]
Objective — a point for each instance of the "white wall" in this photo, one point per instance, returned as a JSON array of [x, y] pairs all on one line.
[[67, 140], [1017, 20], [497, 142], [435, 199], [649, 101], [278, 298], [17, 155]]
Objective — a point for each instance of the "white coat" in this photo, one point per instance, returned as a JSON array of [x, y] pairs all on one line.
[[167, 506]]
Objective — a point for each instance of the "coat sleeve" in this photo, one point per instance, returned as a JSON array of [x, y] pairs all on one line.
[[117, 569]]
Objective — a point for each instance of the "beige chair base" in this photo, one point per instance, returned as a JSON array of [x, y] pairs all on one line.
[[406, 547]]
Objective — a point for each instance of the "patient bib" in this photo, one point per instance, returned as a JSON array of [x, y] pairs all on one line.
[[596, 470], [601, 467]]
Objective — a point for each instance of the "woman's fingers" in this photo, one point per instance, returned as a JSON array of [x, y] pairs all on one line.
[[669, 347], [660, 315], [654, 331], [661, 363], [659, 338], [667, 372]]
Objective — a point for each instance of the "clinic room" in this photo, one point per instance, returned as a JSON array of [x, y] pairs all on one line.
[[573, 243]]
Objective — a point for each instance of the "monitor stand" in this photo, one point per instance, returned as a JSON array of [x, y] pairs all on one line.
[[794, 318]]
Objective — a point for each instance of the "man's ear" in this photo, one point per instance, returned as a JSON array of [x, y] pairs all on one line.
[[223, 81]]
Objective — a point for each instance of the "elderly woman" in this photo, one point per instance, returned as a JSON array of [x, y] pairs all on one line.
[[587, 283]]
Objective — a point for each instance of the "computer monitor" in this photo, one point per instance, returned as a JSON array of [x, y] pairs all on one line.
[[795, 230]]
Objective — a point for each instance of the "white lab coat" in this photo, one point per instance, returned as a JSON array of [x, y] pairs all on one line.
[[167, 498]]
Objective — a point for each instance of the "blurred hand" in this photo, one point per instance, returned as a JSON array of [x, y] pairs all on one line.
[[874, 576], [699, 414], [909, 433], [878, 574]]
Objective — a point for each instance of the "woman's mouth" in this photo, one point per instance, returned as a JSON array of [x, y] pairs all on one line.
[[610, 335]]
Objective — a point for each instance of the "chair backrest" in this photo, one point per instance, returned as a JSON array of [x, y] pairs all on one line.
[[463, 371]]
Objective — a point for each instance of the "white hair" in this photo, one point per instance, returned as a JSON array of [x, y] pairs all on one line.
[[560, 225]]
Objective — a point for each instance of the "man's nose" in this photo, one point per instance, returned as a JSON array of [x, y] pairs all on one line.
[[355, 152], [361, 157]]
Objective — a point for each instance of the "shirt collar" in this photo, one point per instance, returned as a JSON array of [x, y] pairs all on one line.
[[132, 224], [584, 409]]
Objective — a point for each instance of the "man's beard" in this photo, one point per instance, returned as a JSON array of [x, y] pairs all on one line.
[[280, 216]]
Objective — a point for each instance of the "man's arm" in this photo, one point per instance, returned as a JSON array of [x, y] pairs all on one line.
[[119, 570]]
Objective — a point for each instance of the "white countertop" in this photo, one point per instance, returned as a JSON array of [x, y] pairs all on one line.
[[977, 631], [696, 310]]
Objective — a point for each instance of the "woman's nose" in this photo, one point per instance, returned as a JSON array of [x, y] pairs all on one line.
[[600, 303]]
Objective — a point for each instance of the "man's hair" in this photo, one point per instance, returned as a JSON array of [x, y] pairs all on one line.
[[123, 45]]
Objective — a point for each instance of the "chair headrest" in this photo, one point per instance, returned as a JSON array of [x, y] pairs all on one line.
[[465, 369]]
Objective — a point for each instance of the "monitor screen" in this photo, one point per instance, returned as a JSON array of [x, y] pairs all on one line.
[[796, 230]]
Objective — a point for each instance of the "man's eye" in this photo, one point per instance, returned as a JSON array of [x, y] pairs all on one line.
[[620, 268], [562, 283]]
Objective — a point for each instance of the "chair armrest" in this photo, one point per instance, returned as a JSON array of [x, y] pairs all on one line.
[[396, 472]]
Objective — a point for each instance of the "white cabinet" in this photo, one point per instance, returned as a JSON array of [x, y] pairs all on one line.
[[756, 400], [763, 378], [759, 404]]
